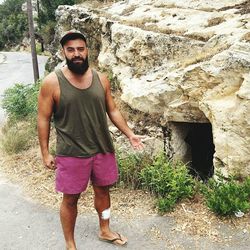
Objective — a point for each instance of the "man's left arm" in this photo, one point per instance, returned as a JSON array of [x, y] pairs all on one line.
[[117, 118]]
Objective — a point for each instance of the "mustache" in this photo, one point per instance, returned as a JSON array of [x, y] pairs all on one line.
[[77, 58]]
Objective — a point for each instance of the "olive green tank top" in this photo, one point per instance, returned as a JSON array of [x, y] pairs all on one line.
[[81, 120]]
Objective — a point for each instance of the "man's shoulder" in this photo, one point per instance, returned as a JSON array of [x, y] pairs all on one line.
[[103, 76], [51, 79], [104, 80]]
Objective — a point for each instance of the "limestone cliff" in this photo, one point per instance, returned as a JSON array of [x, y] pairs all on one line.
[[187, 61]]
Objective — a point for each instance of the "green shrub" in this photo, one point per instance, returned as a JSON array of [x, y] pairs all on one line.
[[170, 182], [246, 185], [20, 101], [20, 104], [130, 166], [226, 197], [166, 204]]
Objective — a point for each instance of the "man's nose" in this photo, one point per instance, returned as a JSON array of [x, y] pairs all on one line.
[[76, 52]]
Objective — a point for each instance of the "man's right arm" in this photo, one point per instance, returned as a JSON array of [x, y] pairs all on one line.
[[45, 110]]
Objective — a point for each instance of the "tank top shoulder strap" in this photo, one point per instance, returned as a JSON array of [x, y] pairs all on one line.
[[96, 78], [95, 75], [59, 75]]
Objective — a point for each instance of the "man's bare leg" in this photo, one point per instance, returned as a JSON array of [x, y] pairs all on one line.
[[102, 203], [68, 214]]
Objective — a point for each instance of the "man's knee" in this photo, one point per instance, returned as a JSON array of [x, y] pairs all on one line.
[[101, 192], [70, 200]]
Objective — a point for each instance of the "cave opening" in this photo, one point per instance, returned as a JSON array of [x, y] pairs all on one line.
[[200, 140], [193, 144]]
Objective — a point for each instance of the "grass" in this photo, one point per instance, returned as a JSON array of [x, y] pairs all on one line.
[[17, 137]]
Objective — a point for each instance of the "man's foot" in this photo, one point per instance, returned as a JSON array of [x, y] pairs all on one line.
[[114, 238], [70, 246]]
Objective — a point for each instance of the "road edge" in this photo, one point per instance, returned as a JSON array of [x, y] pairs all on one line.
[[2, 58]]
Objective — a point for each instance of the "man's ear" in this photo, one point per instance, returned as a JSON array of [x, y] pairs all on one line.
[[62, 54]]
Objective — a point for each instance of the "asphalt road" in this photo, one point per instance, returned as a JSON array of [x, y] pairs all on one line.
[[16, 67], [25, 225]]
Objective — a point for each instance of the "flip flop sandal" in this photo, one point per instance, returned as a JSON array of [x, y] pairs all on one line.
[[114, 241]]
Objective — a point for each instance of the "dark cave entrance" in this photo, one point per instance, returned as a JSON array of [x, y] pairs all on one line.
[[193, 144], [200, 140]]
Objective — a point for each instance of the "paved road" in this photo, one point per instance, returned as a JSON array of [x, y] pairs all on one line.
[[16, 67], [25, 225]]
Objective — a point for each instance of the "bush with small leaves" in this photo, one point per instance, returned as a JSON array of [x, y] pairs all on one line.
[[130, 166], [20, 101], [170, 181], [227, 196]]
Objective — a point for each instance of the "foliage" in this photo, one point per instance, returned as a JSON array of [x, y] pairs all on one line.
[[47, 31], [47, 10], [130, 166], [17, 137], [13, 23], [227, 196], [246, 186], [20, 104], [170, 181], [47, 18], [20, 101], [165, 204]]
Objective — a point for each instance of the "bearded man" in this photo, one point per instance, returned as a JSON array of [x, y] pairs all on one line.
[[79, 99]]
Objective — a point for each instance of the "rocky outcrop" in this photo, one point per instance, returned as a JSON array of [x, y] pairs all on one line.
[[184, 61]]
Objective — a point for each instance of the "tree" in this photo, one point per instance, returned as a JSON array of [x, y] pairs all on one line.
[[47, 18], [47, 11], [13, 23]]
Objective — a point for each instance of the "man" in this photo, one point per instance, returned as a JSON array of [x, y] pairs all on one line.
[[79, 98]]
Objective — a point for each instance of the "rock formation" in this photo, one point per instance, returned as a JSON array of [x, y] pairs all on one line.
[[186, 61]]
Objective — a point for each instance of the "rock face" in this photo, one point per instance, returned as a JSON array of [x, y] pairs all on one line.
[[186, 61]]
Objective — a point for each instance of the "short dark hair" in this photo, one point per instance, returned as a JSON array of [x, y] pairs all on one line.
[[72, 35]]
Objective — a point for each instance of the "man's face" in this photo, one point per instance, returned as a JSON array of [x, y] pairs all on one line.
[[76, 54]]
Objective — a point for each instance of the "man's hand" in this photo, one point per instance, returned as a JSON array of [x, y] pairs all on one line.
[[136, 141], [49, 162]]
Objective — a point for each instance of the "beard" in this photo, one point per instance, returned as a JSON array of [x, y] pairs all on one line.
[[78, 68]]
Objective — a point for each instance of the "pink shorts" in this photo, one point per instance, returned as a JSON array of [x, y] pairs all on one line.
[[74, 173]]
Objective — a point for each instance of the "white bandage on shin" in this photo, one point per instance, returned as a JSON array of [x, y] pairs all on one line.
[[105, 214]]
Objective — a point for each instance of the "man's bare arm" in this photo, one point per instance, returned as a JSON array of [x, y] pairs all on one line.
[[45, 110], [117, 118]]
